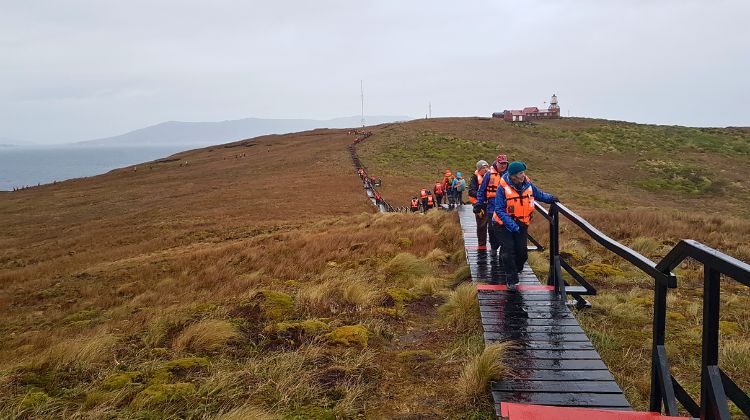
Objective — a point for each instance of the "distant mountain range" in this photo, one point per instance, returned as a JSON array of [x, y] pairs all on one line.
[[209, 133]]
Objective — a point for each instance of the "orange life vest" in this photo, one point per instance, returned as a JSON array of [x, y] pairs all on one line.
[[430, 203], [492, 184], [423, 193], [438, 188], [414, 203], [518, 206]]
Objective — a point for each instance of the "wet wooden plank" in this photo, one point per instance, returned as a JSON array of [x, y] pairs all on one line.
[[546, 345], [557, 329], [563, 375], [516, 322], [552, 364], [577, 399], [549, 337], [598, 387]]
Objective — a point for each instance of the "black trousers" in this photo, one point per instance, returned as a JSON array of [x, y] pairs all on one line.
[[513, 250], [482, 225]]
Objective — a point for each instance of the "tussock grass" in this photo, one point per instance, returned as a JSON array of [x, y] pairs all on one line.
[[483, 368], [207, 336], [645, 245], [338, 294], [82, 353], [405, 265], [247, 412], [427, 285], [461, 309]]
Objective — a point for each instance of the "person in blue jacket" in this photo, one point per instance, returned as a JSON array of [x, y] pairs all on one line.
[[514, 205]]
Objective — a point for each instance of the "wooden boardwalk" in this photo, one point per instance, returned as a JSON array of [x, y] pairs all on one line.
[[553, 361]]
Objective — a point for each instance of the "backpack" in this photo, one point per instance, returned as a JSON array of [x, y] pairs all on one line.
[[461, 185]]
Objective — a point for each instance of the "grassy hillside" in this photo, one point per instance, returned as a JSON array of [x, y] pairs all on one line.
[[646, 186], [250, 280], [253, 279]]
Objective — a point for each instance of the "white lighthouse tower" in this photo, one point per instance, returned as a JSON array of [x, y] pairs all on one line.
[[553, 103]]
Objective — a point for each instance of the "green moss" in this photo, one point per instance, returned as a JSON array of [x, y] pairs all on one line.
[[33, 400], [163, 393], [275, 305], [308, 327], [675, 316], [643, 301], [121, 379], [404, 243], [159, 351], [177, 366], [729, 327], [572, 256], [399, 295], [416, 356], [388, 312], [599, 270], [350, 335]]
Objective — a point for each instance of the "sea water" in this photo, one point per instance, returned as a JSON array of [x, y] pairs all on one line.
[[31, 166]]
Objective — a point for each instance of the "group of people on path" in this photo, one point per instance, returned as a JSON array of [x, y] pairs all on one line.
[[451, 187], [503, 203]]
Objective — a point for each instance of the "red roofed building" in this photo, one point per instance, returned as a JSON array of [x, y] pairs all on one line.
[[531, 112]]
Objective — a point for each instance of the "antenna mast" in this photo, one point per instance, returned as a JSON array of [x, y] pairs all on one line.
[[362, 94], [429, 109]]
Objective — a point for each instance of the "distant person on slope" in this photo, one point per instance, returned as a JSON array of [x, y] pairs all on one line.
[[459, 185], [423, 193], [514, 205], [486, 195], [414, 204], [483, 217]]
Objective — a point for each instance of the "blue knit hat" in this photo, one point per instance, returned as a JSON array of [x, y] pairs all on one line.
[[516, 167]]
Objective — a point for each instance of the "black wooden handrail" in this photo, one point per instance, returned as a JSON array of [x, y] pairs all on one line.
[[716, 387]]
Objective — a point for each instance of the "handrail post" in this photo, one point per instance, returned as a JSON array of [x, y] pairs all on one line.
[[554, 249], [710, 351], [658, 334], [555, 276]]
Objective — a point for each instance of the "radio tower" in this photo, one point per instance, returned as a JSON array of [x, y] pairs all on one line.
[[362, 94]]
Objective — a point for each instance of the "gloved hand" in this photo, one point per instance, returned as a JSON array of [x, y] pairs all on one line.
[[477, 209], [514, 228], [554, 199]]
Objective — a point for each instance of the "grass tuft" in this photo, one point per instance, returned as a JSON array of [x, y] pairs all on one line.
[[461, 309], [208, 336], [483, 368]]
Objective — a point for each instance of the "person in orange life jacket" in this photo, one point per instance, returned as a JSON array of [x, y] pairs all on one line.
[[430, 202], [459, 185], [514, 205], [482, 217], [423, 193], [438, 192], [414, 204], [486, 196], [447, 183]]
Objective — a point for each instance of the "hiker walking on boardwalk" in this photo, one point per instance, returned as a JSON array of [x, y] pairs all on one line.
[[514, 204], [459, 185], [486, 196], [438, 193], [423, 193], [414, 204], [483, 217], [447, 184]]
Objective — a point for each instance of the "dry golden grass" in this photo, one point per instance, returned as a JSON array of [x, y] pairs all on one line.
[[483, 368], [207, 336], [461, 309]]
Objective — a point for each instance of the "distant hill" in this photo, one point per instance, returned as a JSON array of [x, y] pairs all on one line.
[[209, 133]]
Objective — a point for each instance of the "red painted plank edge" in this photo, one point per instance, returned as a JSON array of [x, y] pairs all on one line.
[[512, 411]]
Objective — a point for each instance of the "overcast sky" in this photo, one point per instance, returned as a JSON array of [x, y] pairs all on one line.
[[81, 69]]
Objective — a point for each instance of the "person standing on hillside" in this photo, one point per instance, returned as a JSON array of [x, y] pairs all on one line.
[[423, 193], [514, 205], [486, 195], [482, 217], [459, 185]]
